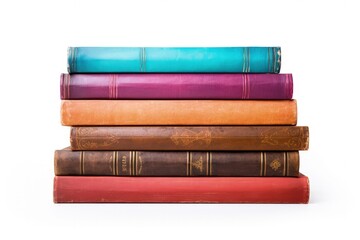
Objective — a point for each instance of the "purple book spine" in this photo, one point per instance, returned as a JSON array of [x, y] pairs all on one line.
[[176, 86]]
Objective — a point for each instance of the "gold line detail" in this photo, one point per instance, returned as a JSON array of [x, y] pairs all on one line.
[[187, 163], [64, 85], [285, 164], [67, 85], [274, 51], [130, 161], [248, 60], [136, 163], [82, 155], [269, 62], [264, 163], [207, 163], [190, 164], [115, 86], [210, 163], [114, 163], [261, 163], [244, 58]]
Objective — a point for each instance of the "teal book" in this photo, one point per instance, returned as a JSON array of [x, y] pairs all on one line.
[[174, 60]]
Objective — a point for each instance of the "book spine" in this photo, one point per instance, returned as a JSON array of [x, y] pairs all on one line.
[[179, 164], [79, 189], [176, 86], [152, 59], [178, 112], [190, 138]]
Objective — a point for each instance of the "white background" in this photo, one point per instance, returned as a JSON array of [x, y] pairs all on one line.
[[319, 46]]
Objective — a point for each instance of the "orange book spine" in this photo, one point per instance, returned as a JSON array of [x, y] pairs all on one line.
[[178, 112]]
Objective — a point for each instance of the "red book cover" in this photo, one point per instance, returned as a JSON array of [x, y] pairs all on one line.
[[78, 189]]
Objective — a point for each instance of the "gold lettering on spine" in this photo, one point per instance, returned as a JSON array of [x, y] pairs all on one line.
[[264, 163], [124, 164], [261, 163], [187, 163]]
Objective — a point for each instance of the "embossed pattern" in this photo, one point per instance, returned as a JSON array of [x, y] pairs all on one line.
[[230, 138]]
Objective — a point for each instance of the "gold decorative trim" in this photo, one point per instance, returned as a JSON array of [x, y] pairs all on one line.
[[210, 163], [264, 163], [130, 162], [207, 163], [116, 163], [261, 164], [142, 59], [285, 165], [275, 165], [248, 60], [82, 170], [244, 58], [68, 84], [274, 54], [136, 163], [288, 164], [269, 59], [187, 163], [190, 163]]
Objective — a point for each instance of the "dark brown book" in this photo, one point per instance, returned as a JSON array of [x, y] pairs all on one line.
[[180, 163], [193, 138]]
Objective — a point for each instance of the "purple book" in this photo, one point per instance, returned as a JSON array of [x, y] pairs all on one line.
[[176, 86]]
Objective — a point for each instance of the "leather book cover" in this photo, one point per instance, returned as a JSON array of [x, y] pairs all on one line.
[[176, 86], [79, 189], [175, 59], [192, 138], [178, 112], [176, 163]]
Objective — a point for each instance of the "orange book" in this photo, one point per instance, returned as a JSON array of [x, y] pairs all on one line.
[[178, 112]]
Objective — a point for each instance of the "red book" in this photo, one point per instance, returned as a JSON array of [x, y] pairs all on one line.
[[69, 189]]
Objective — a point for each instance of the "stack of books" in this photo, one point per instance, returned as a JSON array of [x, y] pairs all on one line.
[[201, 125]]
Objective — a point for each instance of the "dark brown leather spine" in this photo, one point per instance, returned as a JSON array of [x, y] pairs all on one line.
[[194, 138], [186, 163]]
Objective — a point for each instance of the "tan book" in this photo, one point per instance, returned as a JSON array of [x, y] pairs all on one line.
[[178, 112]]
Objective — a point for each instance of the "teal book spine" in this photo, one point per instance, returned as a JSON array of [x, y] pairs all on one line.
[[174, 60]]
